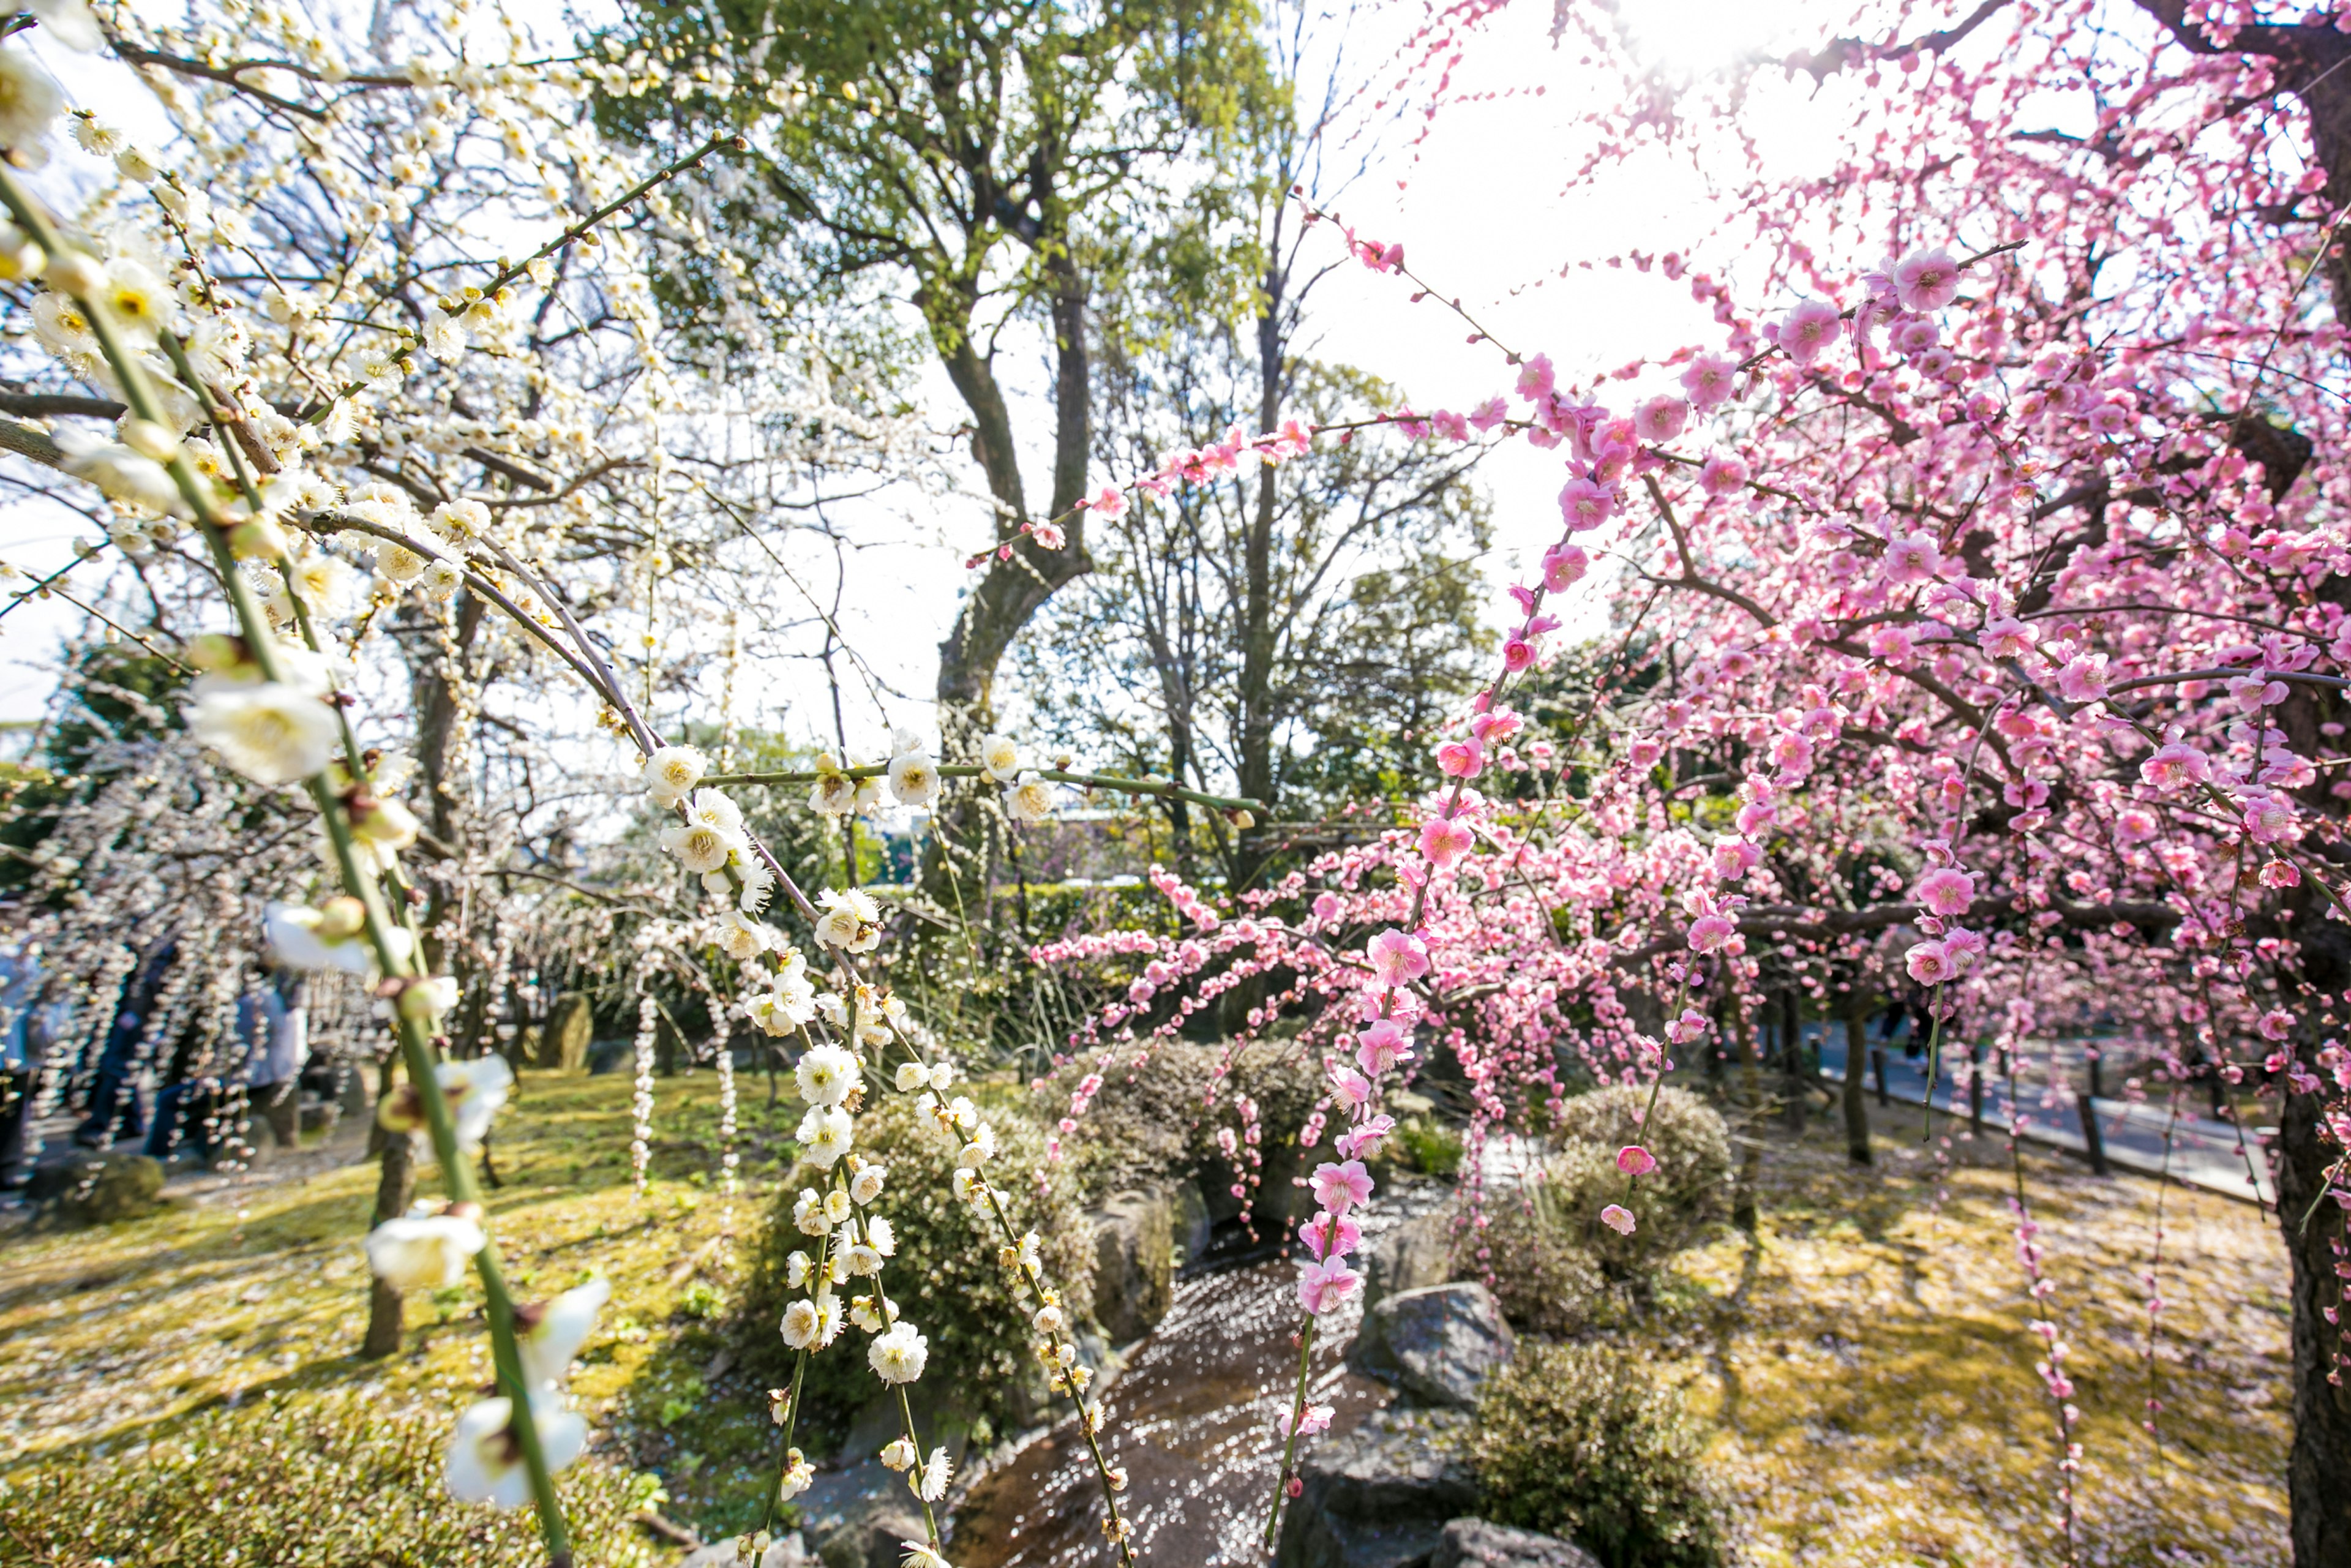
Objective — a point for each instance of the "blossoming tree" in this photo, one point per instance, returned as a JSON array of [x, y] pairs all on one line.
[[1984, 588]]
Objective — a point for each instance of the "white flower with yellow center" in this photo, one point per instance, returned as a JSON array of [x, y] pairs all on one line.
[[1030, 801], [396, 563], [913, 778], [825, 1075], [672, 772], [137, 300], [866, 1185], [326, 585], [899, 1356], [851, 920], [271, 732], [713, 806], [801, 1321], [999, 759], [698, 846], [825, 1136], [879, 1235], [807, 1214], [834, 794], [862, 1261], [740, 937]]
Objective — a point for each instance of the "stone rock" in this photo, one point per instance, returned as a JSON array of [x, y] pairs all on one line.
[[1475, 1543], [939, 1416], [1134, 1270], [857, 1518], [784, 1552], [119, 1186], [563, 1038], [1189, 1221], [1414, 1254], [1437, 1344], [1379, 1495]]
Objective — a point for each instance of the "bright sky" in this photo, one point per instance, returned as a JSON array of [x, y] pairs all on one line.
[[1478, 206]]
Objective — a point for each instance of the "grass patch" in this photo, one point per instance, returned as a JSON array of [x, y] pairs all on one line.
[[117, 1343], [1871, 1374]]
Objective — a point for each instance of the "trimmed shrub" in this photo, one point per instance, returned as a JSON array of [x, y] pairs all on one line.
[[1555, 1266], [1579, 1441], [301, 1481], [1148, 1122], [945, 1277], [1544, 1279], [1673, 1205]]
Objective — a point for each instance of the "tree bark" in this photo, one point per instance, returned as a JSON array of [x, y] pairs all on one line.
[[2318, 1466], [1751, 1143], [1255, 743], [1791, 1064], [395, 1188], [1020, 574], [1856, 1105]]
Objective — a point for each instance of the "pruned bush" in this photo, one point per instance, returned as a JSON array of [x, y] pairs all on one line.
[[945, 1277], [1545, 1279], [1151, 1121], [1580, 1441], [1673, 1205], [297, 1482], [1553, 1264]]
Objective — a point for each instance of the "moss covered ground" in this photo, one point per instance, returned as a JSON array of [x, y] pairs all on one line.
[[1871, 1373], [1867, 1363], [115, 1341]]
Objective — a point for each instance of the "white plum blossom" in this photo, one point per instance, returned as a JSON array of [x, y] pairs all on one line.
[[484, 1459], [423, 1251], [999, 757], [272, 733], [899, 1356], [913, 778], [698, 846], [866, 1185], [672, 772], [554, 1333], [825, 1136], [851, 920], [1031, 800], [826, 1075]]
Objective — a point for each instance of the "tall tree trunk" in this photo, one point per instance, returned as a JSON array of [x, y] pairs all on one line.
[[1857, 1051], [2318, 1466], [1750, 1141], [1791, 1062], [395, 1189], [1020, 575], [1255, 742]]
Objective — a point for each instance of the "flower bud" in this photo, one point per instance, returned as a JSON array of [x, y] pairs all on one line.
[[257, 539], [149, 439], [340, 918], [75, 272], [20, 258]]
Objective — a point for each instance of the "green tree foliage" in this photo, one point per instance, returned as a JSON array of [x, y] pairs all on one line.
[[112, 693], [1581, 1441], [1370, 579], [988, 164]]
